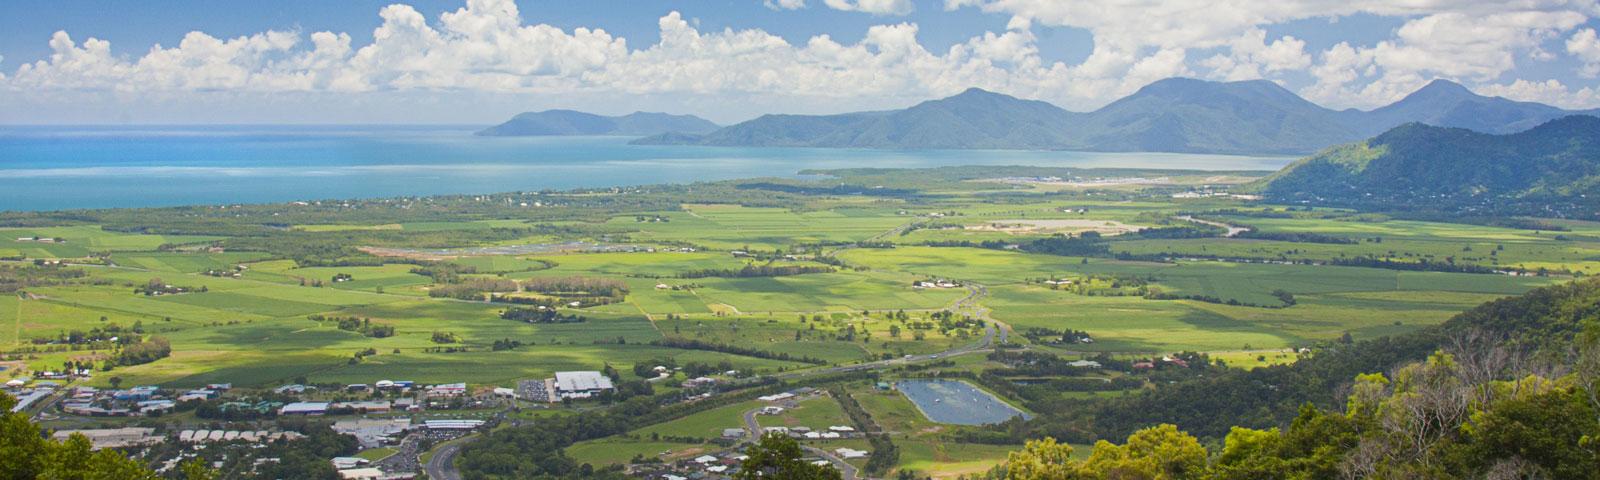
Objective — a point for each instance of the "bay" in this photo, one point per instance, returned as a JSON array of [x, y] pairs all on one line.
[[56, 167]]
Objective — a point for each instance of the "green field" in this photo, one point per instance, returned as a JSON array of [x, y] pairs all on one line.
[[687, 263]]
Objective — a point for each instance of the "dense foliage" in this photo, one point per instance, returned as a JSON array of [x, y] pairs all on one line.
[[25, 454]]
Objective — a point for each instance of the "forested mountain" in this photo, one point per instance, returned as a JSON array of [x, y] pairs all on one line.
[[1172, 115], [569, 122], [1186, 115], [1447, 104], [1552, 169]]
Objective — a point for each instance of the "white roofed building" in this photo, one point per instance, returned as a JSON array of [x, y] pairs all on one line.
[[582, 384]]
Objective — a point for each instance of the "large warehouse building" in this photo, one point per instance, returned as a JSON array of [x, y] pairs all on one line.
[[582, 384]]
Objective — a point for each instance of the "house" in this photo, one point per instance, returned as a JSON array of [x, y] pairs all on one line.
[[771, 410], [703, 459], [842, 428], [732, 433], [850, 453], [1084, 364], [699, 382], [1143, 365]]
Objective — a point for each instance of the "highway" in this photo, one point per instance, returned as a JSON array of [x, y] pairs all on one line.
[[443, 464]]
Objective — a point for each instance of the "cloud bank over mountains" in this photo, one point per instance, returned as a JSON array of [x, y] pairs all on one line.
[[487, 48]]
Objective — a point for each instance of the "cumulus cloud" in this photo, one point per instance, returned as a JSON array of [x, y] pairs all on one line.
[[1584, 46], [486, 47], [1550, 91], [1250, 57], [875, 7], [1474, 40], [784, 4]]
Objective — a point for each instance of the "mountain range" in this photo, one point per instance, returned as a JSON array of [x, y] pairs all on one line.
[[570, 122], [1172, 115], [1550, 170]]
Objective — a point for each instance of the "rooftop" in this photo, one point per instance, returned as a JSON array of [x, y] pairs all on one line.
[[582, 381]]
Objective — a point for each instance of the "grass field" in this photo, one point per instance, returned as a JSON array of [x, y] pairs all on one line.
[[254, 331]]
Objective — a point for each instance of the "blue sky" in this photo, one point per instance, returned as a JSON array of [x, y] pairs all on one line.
[[475, 61]]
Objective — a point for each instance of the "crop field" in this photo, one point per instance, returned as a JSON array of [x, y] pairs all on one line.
[[763, 283]]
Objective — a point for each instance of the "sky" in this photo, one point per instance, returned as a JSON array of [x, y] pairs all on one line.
[[480, 61]]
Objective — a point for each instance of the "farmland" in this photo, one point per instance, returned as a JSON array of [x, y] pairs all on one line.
[[757, 283]]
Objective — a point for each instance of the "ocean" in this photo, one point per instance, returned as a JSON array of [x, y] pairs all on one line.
[[57, 168]]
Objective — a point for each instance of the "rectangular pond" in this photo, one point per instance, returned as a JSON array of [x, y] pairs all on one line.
[[957, 402]]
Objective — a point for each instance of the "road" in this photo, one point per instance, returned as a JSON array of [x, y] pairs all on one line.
[[443, 464], [753, 428], [1233, 230]]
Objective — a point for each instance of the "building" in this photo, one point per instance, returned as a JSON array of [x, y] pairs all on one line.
[[361, 474], [373, 432], [447, 390], [346, 463], [113, 437], [369, 406], [850, 453], [304, 408], [582, 384], [452, 424]]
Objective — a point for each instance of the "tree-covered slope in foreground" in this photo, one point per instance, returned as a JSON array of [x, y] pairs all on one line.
[[1510, 389], [1552, 169]]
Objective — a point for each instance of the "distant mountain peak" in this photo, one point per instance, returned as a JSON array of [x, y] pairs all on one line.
[[559, 122], [1440, 85], [1170, 115]]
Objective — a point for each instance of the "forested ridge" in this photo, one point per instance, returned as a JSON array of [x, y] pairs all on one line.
[[1510, 389]]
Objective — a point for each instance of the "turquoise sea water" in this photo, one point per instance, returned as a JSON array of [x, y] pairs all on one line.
[[52, 168]]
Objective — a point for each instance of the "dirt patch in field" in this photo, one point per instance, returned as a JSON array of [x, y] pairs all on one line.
[[1022, 227]]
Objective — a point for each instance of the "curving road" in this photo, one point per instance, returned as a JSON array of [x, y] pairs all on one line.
[[753, 429], [442, 466]]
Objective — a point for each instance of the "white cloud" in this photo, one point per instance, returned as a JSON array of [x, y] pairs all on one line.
[[1472, 40], [1550, 91], [784, 4], [875, 7], [487, 48], [1250, 57], [1586, 47]]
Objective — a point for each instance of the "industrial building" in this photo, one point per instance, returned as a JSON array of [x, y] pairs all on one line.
[[582, 384]]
